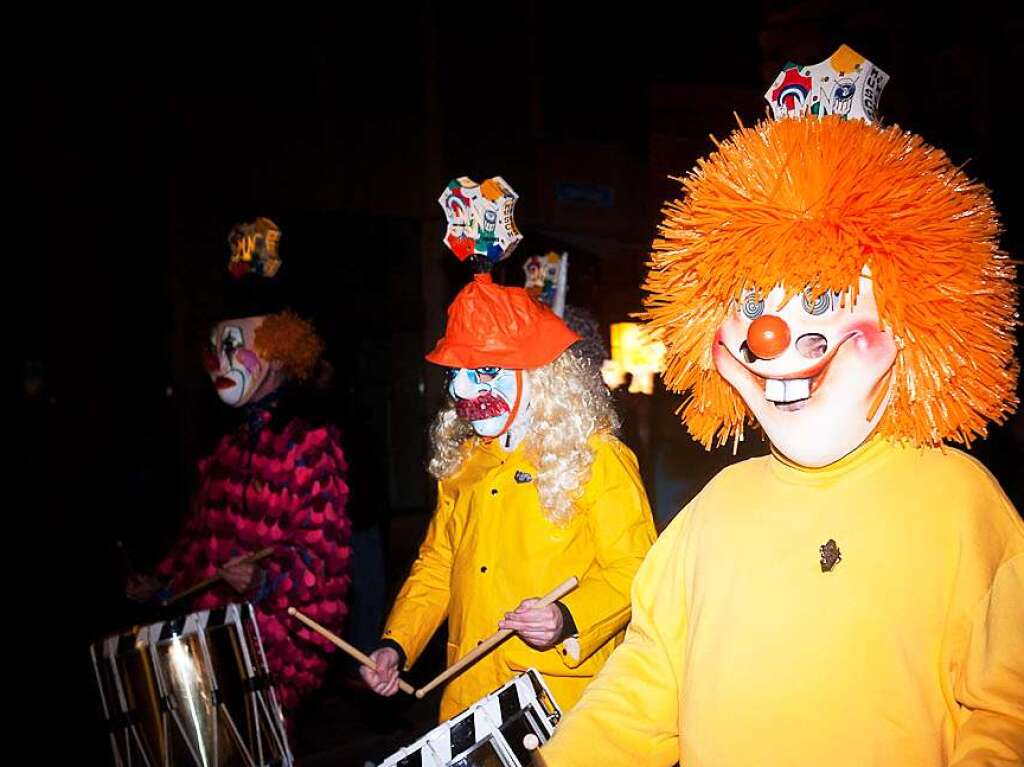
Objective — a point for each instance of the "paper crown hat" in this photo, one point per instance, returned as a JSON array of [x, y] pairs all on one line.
[[844, 84], [489, 324], [256, 281]]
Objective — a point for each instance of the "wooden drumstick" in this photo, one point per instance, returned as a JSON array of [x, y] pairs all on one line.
[[337, 641], [493, 640], [245, 559]]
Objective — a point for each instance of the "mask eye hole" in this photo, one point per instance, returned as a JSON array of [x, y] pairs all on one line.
[[752, 307], [229, 346], [231, 341], [486, 374], [819, 305], [449, 375]]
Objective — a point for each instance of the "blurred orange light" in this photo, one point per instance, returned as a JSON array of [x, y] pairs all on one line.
[[635, 352]]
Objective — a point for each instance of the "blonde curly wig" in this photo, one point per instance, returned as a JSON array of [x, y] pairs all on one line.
[[570, 404]]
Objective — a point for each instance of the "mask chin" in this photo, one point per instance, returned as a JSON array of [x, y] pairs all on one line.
[[491, 427], [826, 437], [230, 397]]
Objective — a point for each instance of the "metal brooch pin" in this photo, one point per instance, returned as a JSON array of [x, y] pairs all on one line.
[[830, 555], [522, 476]]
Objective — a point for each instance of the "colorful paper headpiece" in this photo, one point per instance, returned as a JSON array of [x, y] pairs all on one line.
[[254, 249], [480, 220], [546, 279], [844, 84]]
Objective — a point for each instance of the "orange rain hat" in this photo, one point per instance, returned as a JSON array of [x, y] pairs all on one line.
[[494, 325]]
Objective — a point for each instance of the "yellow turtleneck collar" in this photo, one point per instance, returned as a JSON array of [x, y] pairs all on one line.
[[871, 452]]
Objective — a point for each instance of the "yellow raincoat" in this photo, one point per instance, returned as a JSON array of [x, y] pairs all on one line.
[[489, 546]]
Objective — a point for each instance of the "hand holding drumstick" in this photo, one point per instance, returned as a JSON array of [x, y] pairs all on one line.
[[540, 626], [370, 663], [239, 573], [383, 679], [538, 629]]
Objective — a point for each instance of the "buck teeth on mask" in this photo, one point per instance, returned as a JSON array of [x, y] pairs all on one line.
[[789, 390]]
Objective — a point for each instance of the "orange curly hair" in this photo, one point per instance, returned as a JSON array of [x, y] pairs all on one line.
[[291, 340], [808, 204]]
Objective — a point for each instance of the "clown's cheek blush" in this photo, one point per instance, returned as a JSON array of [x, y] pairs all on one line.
[[871, 343], [210, 361], [250, 360]]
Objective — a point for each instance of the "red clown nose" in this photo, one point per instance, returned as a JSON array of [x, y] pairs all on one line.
[[768, 337]]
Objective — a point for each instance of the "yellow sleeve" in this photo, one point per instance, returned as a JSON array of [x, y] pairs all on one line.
[[622, 529], [990, 684], [629, 714], [422, 604]]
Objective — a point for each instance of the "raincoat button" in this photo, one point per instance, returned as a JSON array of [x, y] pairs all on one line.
[[494, 491], [483, 569]]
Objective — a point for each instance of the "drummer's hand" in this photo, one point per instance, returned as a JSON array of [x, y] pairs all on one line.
[[241, 576], [141, 588], [539, 627], [383, 681]]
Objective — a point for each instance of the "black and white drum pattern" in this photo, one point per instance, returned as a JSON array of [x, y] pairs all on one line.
[[500, 730]]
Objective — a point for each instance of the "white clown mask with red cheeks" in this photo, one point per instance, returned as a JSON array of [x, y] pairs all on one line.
[[494, 400], [814, 371], [240, 374]]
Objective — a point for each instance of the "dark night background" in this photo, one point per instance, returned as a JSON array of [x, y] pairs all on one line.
[[138, 139]]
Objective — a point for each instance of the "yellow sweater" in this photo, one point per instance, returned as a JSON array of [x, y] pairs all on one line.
[[742, 651], [489, 546]]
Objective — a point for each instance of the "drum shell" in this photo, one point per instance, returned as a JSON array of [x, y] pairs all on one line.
[[192, 690]]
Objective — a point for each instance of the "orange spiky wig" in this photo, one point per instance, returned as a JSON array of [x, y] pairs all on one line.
[[808, 204]]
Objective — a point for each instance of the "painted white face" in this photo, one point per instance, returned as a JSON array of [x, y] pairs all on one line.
[[490, 398], [814, 373], [237, 370]]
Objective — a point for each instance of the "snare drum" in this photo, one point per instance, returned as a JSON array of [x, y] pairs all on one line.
[[500, 730], [191, 691]]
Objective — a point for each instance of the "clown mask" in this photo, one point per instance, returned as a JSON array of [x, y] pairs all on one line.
[[495, 401], [239, 372], [814, 371]]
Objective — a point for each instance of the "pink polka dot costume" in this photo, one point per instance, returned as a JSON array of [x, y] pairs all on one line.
[[276, 483]]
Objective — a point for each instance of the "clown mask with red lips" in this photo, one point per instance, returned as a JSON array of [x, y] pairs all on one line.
[[494, 400], [814, 371], [240, 373]]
